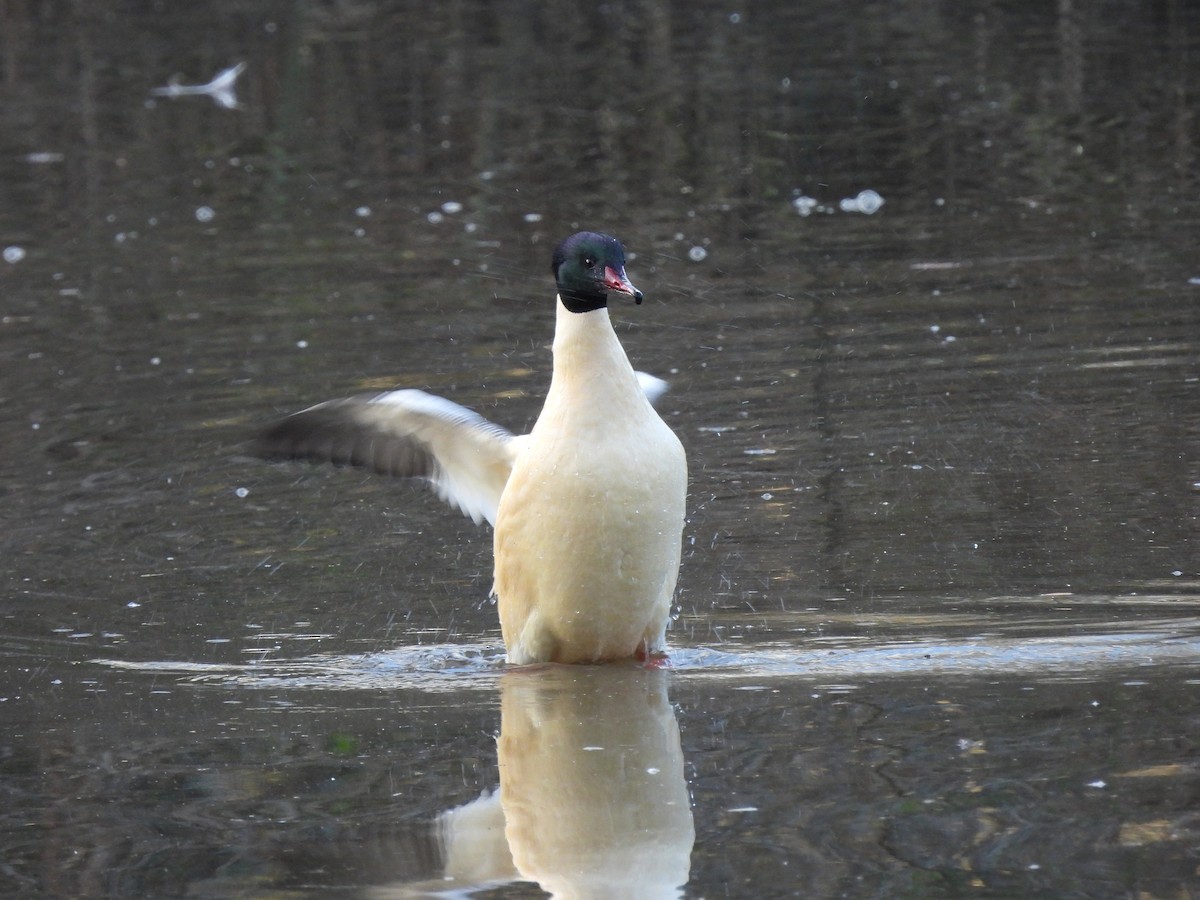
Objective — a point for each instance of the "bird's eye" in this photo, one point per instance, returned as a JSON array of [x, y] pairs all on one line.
[[589, 261]]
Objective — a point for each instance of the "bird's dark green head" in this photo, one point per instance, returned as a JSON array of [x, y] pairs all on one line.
[[587, 266]]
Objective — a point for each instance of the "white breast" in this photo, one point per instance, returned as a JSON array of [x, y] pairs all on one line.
[[588, 529]]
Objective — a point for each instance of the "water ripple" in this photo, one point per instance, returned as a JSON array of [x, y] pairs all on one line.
[[466, 667]]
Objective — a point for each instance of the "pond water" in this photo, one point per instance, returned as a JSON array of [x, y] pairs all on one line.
[[924, 282]]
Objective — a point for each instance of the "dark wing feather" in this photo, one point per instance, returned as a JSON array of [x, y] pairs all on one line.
[[407, 434]]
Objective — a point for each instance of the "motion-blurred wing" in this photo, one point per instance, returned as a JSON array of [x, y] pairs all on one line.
[[405, 433]]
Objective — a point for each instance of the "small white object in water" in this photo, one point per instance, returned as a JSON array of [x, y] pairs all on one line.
[[14, 254], [302, 344], [221, 88], [450, 207], [362, 212], [697, 254], [435, 217], [205, 214], [867, 202], [242, 492], [533, 217], [1194, 280], [804, 205]]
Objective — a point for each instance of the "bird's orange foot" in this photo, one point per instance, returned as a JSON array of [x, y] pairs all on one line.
[[655, 660]]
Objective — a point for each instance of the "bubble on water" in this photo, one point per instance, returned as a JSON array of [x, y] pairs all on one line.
[[156, 360], [867, 202], [805, 205], [735, 18], [242, 492], [450, 207], [302, 344], [362, 212], [1193, 280], [697, 254], [133, 604], [360, 232], [470, 228], [14, 254], [533, 217], [205, 214], [435, 217]]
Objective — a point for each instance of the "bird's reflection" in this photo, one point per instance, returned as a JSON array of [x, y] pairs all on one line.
[[592, 799]]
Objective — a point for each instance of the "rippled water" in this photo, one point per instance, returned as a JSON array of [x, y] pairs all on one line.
[[924, 284]]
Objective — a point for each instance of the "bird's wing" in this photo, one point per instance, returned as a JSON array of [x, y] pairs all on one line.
[[652, 386], [405, 433]]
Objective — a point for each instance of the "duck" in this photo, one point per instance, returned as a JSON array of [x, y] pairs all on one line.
[[587, 509]]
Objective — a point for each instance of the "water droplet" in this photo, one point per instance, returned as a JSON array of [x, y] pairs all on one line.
[[533, 217], [450, 207], [435, 217], [697, 254], [242, 493], [362, 212], [205, 214], [14, 254]]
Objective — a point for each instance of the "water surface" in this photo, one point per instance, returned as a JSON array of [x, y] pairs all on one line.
[[939, 611]]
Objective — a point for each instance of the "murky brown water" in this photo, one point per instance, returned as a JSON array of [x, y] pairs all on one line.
[[939, 614]]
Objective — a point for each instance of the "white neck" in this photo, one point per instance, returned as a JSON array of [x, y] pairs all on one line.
[[590, 365]]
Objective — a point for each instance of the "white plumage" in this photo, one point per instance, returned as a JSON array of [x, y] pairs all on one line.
[[588, 508]]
